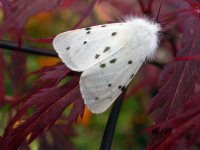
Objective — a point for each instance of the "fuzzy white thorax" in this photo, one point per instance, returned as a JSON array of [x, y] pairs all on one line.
[[145, 36]]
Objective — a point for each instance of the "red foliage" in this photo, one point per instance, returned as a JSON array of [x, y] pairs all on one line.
[[18, 12], [181, 80], [17, 72], [87, 12], [48, 102], [64, 142], [16, 15], [176, 105], [49, 98]]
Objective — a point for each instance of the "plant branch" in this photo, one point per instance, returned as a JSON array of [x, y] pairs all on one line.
[[157, 64], [111, 124], [26, 49], [37, 51]]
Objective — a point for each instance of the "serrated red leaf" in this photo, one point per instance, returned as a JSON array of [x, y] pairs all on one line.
[[180, 78], [184, 125], [17, 71], [53, 75], [178, 119], [10, 20], [48, 102], [176, 129], [20, 11]]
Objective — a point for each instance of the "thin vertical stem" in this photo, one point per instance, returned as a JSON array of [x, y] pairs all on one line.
[[107, 139], [25, 49]]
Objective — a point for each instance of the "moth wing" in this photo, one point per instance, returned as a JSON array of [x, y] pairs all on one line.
[[83, 48], [104, 82]]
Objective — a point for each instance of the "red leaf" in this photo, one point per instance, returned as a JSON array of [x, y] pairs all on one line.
[[18, 12], [22, 10], [177, 123], [180, 77], [59, 141], [182, 126], [48, 102], [53, 75], [17, 71], [10, 20], [87, 12]]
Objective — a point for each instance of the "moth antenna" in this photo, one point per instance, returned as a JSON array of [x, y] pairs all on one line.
[[159, 10]]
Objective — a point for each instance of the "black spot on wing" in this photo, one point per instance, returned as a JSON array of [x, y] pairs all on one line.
[[109, 85], [85, 42], [130, 62], [67, 48], [102, 65], [113, 60], [88, 28], [103, 26], [114, 33], [88, 32], [97, 56], [96, 98], [121, 87], [106, 49]]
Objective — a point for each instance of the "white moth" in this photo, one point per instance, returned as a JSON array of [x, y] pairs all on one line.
[[109, 56]]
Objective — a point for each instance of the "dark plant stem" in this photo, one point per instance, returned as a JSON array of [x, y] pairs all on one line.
[[111, 124], [37, 51], [26, 49], [157, 64]]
